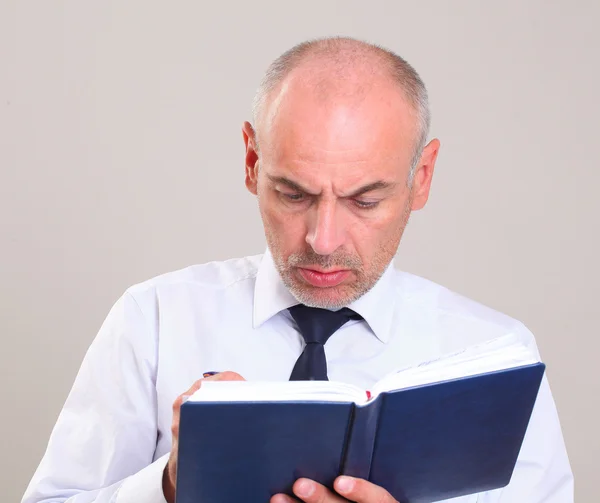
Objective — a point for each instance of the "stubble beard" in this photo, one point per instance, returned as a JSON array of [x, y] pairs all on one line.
[[344, 294]]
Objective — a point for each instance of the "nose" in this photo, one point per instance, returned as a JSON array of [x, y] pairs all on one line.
[[325, 233]]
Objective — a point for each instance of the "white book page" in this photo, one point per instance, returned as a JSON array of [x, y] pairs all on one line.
[[266, 391], [497, 354]]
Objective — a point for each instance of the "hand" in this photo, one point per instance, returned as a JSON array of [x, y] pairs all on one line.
[[170, 472], [347, 488]]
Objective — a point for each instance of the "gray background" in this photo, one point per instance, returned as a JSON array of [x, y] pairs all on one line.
[[121, 157]]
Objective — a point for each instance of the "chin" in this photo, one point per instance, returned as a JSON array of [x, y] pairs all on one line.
[[326, 298]]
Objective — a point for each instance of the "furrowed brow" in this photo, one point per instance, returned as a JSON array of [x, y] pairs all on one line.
[[380, 185], [289, 183]]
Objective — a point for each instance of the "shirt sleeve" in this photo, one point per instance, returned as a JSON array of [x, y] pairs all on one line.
[[102, 446], [543, 472]]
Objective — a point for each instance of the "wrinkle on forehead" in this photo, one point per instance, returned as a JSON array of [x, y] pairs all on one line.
[[337, 133], [320, 116]]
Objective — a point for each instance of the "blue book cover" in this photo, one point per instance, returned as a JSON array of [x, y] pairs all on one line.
[[423, 443]]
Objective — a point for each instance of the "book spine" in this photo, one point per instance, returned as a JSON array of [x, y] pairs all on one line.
[[361, 440]]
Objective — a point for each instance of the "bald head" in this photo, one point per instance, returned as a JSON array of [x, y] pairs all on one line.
[[342, 70]]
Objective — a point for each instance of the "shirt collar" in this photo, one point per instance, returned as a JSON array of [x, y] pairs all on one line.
[[271, 296]]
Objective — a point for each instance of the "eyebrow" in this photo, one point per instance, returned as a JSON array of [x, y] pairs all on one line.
[[292, 185], [380, 185]]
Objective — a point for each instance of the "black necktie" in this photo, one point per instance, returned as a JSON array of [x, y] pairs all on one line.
[[316, 326]]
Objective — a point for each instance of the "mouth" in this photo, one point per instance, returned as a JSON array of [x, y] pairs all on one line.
[[322, 278]]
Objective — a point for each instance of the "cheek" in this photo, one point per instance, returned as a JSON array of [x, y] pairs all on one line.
[[288, 229], [371, 235]]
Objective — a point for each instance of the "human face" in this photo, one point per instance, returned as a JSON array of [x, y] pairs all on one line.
[[331, 181]]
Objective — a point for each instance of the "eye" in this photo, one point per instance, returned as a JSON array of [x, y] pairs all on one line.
[[295, 197], [365, 205]]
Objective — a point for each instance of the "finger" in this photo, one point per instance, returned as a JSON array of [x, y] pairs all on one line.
[[221, 376], [282, 498], [361, 491], [186, 394], [310, 491], [224, 376], [177, 406]]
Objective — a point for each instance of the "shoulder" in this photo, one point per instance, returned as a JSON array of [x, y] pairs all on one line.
[[210, 277], [172, 299], [442, 301], [454, 316]]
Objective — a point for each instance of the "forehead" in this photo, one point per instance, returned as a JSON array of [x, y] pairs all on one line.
[[357, 121]]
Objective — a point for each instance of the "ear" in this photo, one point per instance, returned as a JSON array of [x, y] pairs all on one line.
[[251, 157], [424, 174]]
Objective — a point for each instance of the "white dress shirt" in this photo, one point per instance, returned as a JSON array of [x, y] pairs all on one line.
[[112, 439]]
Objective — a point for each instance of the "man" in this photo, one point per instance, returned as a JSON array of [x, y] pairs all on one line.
[[338, 159]]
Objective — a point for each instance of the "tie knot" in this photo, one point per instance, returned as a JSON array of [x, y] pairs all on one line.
[[316, 325]]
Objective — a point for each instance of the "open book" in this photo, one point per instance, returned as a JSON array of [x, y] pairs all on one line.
[[441, 429]]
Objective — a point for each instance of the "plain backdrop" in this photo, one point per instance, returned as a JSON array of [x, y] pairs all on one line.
[[121, 158]]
